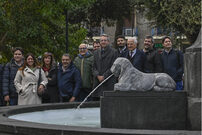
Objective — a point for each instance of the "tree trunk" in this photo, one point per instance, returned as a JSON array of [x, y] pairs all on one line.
[[144, 28], [119, 29]]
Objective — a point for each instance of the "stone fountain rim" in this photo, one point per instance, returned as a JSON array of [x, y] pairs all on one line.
[[12, 126]]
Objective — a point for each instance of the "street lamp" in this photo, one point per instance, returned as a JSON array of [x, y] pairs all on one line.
[[66, 18]]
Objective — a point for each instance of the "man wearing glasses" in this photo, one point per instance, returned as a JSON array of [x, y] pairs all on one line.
[[104, 57], [84, 63]]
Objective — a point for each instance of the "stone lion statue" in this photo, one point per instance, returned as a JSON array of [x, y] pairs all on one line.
[[129, 78]]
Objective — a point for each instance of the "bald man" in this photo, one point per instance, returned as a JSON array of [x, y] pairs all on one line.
[[84, 62]]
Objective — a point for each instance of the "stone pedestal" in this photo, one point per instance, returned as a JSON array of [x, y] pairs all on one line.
[[144, 110], [192, 81]]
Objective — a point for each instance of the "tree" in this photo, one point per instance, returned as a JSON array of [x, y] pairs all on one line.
[[110, 11], [182, 16], [38, 26]]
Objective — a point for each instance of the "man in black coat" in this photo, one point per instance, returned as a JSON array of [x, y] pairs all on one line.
[[153, 58], [121, 45], [172, 61], [104, 57], [136, 57]]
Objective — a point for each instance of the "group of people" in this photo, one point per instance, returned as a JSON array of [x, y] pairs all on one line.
[[25, 81]]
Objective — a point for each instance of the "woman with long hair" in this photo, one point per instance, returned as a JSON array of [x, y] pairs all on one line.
[[30, 81], [49, 67]]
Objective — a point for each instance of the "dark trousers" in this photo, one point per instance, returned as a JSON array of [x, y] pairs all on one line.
[[179, 85], [83, 94], [65, 99], [13, 101]]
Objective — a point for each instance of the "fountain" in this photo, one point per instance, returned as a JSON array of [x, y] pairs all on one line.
[[83, 117], [149, 118], [10, 126], [94, 91]]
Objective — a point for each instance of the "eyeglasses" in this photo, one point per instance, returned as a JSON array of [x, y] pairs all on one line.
[[82, 48]]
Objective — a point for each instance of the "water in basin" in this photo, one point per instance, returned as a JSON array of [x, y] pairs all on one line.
[[86, 117]]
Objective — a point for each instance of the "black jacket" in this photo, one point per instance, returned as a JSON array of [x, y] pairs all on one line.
[[9, 73], [153, 62], [1, 77], [102, 64], [173, 64], [51, 93], [122, 52], [137, 60]]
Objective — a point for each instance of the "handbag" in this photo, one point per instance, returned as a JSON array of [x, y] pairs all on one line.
[[40, 93]]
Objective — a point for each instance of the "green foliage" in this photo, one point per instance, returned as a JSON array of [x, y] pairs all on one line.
[[183, 16], [100, 10], [3, 59], [38, 26], [105, 10]]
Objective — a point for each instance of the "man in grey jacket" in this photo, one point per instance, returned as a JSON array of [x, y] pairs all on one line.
[[103, 60]]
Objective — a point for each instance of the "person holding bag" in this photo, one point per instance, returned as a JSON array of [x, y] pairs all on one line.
[[27, 82], [49, 66]]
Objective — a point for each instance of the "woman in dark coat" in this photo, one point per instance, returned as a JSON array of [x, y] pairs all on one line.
[[49, 66]]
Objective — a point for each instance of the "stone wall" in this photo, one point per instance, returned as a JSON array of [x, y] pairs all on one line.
[[144, 110], [192, 81]]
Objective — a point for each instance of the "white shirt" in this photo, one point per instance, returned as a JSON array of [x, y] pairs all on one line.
[[133, 52]]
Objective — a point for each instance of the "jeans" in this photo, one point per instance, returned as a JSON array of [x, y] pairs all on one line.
[[13, 101], [179, 85]]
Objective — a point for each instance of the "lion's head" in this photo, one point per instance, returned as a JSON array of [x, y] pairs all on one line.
[[120, 65]]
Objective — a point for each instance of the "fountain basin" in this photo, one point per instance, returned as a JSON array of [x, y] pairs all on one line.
[[10, 126], [83, 117]]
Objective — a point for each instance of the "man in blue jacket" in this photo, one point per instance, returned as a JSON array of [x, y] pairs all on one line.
[[1, 76], [172, 61], [10, 70], [69, 80]]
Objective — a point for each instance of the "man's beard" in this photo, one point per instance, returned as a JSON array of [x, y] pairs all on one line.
[[147, 47], [121, 47]]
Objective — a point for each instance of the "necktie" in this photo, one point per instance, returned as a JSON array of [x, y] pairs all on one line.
[[102, 51], [131, 54]]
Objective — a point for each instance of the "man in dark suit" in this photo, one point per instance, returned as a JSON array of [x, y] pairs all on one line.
[[121, 45], [136, 57], [104, 57]]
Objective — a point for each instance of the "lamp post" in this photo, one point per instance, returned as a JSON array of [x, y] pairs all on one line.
[[133, 17], [66, 18]]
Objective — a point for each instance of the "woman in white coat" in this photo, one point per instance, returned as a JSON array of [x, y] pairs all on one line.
[[27, 81]]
